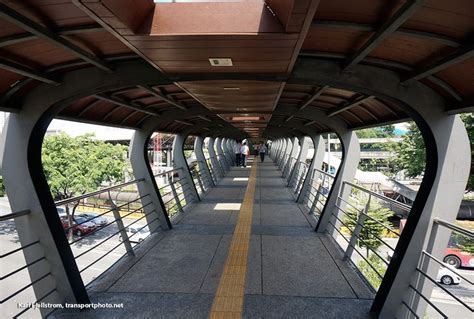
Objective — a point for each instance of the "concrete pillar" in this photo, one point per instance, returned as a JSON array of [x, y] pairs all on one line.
[[180, 161], [295, 146], [203, 168], [346, 172], [27, 189], [286, 153], [316, 162], [279, 148], [141, 169], [452, 166], [302, 155], [213, 158], [226, 152], [220, 154], [230, 151]]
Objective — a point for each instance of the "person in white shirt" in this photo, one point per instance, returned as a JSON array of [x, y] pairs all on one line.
[[244, 152], [262, 150], [237, 154]]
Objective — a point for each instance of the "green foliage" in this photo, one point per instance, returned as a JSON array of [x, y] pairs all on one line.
[[369, 273], [464, 243], [411, 155], [468, 119], [381, 131], [373, 228], [78, 165]]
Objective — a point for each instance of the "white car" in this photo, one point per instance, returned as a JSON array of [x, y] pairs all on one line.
[[447, 277], [136, 234]]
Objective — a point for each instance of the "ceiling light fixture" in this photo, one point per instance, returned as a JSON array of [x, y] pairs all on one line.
[[221, 61], [231, 88]]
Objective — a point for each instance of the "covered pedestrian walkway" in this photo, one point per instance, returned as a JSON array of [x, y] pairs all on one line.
[[177, 273]]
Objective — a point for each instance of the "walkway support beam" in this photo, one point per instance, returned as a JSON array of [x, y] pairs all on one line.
[[316, 162], [141, 169], [180, 162], [198, 150]]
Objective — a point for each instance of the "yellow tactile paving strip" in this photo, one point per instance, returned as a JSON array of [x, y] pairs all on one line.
[[229, 298]]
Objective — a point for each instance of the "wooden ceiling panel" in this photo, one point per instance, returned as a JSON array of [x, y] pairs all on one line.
[[344, 41], [408, 50], [362, 11], [464, 84], [453, 18]]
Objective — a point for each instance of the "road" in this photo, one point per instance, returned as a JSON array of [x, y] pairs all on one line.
[[9, 241], [451, 307]]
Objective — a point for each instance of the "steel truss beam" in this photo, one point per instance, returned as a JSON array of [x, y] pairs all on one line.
[[390, 26], [28, 25]]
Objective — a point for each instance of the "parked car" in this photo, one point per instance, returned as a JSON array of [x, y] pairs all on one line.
[[99, 221], [79, 225], [61, 212], [138, 234], [454, 256], [447, 277]]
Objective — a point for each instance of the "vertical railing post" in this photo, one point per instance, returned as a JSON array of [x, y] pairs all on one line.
[[198, 176], [357, 229], [175, 194], [121, 228]]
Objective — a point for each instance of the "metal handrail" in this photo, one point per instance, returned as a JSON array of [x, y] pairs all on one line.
[[167, 172], [14, 215], [385, 198], [323, 172], [97, 192], [454, 227]]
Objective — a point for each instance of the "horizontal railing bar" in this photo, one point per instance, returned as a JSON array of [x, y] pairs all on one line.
[[106, 212], [167, 172], [38, 300], [323, 172], [382, 197], [25, 287], [444, 289], [100, 191], [18, 249], [21, 268], [14, 215], [409, 309], [428, 301], [110, 251], [348, 203], [106, 225], [454, 227], [148, 224], [444, 265]]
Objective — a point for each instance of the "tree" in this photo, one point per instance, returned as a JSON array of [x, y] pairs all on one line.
[[74, 166], [373, 226], [411, 155]]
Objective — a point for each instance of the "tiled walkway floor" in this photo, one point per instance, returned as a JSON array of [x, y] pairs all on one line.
[[292, 272]]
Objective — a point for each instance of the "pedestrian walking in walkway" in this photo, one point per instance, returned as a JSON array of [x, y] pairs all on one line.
[[262, 150], [244, 152], [237, 154]]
